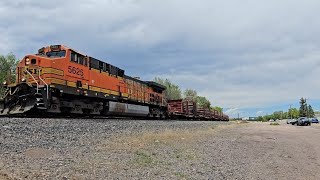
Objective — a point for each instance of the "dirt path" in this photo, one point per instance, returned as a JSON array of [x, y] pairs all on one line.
[[281, 152], [158, 150]]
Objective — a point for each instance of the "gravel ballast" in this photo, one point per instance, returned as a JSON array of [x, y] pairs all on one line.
[[32, 148]]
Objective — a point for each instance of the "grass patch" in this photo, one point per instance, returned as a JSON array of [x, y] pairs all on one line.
[[183, 154], [143, 158], [139, 141], [135, 142], [180, 175], [274, 124], [242, 122]]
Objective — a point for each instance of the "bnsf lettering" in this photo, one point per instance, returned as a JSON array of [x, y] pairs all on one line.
[[32, 71], [76, 71]]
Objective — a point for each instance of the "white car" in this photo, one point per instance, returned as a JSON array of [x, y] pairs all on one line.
[[291, 121]]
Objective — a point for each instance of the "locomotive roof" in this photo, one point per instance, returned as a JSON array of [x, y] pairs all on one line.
[[156, 85]]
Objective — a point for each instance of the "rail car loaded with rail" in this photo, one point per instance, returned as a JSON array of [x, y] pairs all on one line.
[[60, 80]]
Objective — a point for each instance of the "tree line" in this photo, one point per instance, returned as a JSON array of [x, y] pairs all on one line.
[[305, 110], [173, 92]]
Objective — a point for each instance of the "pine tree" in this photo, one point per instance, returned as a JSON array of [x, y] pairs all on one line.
[[303, 108], [310, 111]]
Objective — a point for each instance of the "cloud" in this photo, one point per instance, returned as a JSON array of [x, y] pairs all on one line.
[[233, 112], [260, 113], [247, 54]]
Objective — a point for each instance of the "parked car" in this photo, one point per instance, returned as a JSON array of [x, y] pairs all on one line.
[[314, 120], [291, 121], [303, 121]]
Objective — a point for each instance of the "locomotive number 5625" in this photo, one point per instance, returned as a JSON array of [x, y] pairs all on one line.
[[76, 71]]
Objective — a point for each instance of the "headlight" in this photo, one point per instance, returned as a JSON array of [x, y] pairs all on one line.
[[27, 61]]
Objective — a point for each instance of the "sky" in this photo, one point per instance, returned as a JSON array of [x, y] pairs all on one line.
[[251, 57]]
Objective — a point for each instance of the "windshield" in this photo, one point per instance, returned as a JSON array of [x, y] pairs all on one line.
[[55, 54]]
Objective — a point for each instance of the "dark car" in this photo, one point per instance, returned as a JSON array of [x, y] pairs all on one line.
[[314, 120], [303, 121]]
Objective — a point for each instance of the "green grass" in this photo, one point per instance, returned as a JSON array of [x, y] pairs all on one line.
[[180, 175], [143, 158]]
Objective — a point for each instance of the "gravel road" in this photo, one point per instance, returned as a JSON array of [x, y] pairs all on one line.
[[122, 149]]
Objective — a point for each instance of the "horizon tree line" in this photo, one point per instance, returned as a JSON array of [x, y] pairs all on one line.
[[305, 110]]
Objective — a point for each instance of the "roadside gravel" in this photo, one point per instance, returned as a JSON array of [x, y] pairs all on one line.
[[73, 148], [122, 149]]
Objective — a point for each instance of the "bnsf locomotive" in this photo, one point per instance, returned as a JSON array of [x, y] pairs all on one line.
[[61, 80]]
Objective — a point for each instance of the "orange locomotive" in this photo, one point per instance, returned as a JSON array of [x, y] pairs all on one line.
[[59, 79]]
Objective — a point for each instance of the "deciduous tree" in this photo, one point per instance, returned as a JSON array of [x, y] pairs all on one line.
[[203, 102], [220, 109], [172, 91], [190, 94], [8, 66]]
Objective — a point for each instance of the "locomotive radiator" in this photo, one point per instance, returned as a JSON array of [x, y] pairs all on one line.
[[17, 99]]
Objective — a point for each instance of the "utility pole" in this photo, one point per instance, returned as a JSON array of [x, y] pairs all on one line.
[[290, 111], [307, 108]]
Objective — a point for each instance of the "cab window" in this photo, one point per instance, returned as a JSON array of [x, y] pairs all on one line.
[[56, 54], [78, 58], [74, 57]]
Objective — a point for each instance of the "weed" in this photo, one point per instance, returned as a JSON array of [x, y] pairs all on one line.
[[142, 158], [242, 122], [180, 175]]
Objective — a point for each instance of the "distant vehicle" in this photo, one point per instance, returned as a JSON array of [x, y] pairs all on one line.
[[314, 120], [291, 121], [271, 120], [303, 121]]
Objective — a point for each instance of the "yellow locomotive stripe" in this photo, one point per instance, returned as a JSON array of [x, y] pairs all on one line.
[[72, 84], [44, 70], [56, 81], [84, 86], [114, 93], [52, 71], [94, 88], [105, 91]]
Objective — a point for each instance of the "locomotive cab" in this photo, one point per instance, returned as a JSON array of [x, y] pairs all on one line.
[[32, 66]]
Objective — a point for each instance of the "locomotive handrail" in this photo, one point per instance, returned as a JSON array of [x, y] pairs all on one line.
[[44, 83], [34, 80]]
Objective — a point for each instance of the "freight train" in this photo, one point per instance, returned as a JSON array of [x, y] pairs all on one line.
[[62, 81]]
